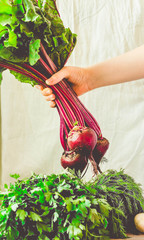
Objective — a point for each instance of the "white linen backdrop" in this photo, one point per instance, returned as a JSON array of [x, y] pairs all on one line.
[[30, 128]]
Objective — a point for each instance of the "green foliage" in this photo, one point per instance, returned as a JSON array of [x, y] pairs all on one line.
[[122, 193], [22, 78], [26, 23], [15, 176], [63, 207]]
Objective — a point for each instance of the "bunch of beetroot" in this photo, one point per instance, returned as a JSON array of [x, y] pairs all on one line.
[[34, 44], [84, 144]]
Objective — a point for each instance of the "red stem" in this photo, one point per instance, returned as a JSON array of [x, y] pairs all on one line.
[[22, 71], [86, 114], [46, 66], [72, 103], [28, 67], [49, 61], [77, 116]]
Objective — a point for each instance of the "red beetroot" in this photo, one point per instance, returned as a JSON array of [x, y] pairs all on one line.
[[81, 142], [82, 138], [100, 149], [74, 159]]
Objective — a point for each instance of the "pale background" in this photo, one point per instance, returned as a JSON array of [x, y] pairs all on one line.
[[30, 129]]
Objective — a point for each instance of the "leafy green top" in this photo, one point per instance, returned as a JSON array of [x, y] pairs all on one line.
[[24, 24]]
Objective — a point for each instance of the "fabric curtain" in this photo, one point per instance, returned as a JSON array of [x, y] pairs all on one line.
[[30, 128]]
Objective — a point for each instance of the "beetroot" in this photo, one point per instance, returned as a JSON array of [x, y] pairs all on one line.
[[74, 159], [100, 149], [84, 144], [82, 137], [81, 142]]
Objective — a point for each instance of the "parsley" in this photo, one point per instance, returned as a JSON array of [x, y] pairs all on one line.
[[63, 207]]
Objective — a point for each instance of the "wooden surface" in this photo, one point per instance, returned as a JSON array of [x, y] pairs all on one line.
[[133, 237]]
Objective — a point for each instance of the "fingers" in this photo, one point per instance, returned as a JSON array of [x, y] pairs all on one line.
[[58, 76], [50, 97], [48, 94], [52, 104], [39, 87]]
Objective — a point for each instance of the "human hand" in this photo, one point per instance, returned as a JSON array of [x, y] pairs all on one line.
[[76, 76]]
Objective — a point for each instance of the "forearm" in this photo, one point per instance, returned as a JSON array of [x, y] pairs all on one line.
[[124, 68]]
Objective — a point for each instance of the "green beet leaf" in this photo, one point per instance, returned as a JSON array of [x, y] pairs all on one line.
[[24, 24], [35, 217], [5, 7], [23, 78], [30, 11], [34, 51]]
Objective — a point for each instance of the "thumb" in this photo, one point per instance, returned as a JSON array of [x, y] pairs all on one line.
[[57, 77]]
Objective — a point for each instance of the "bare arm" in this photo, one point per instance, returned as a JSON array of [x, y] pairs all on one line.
[[124, 68]]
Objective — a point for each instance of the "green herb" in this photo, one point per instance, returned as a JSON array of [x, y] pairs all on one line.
[[123, 193], [64, 207]]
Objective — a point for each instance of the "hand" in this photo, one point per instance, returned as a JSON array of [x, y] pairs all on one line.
[[76, 76]]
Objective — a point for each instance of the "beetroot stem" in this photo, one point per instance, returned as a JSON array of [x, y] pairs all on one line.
[[86, 114], [63, 131], [71, 116], [22, 71], [49, 61], [78, 116], [28, 67], [45, 66]]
